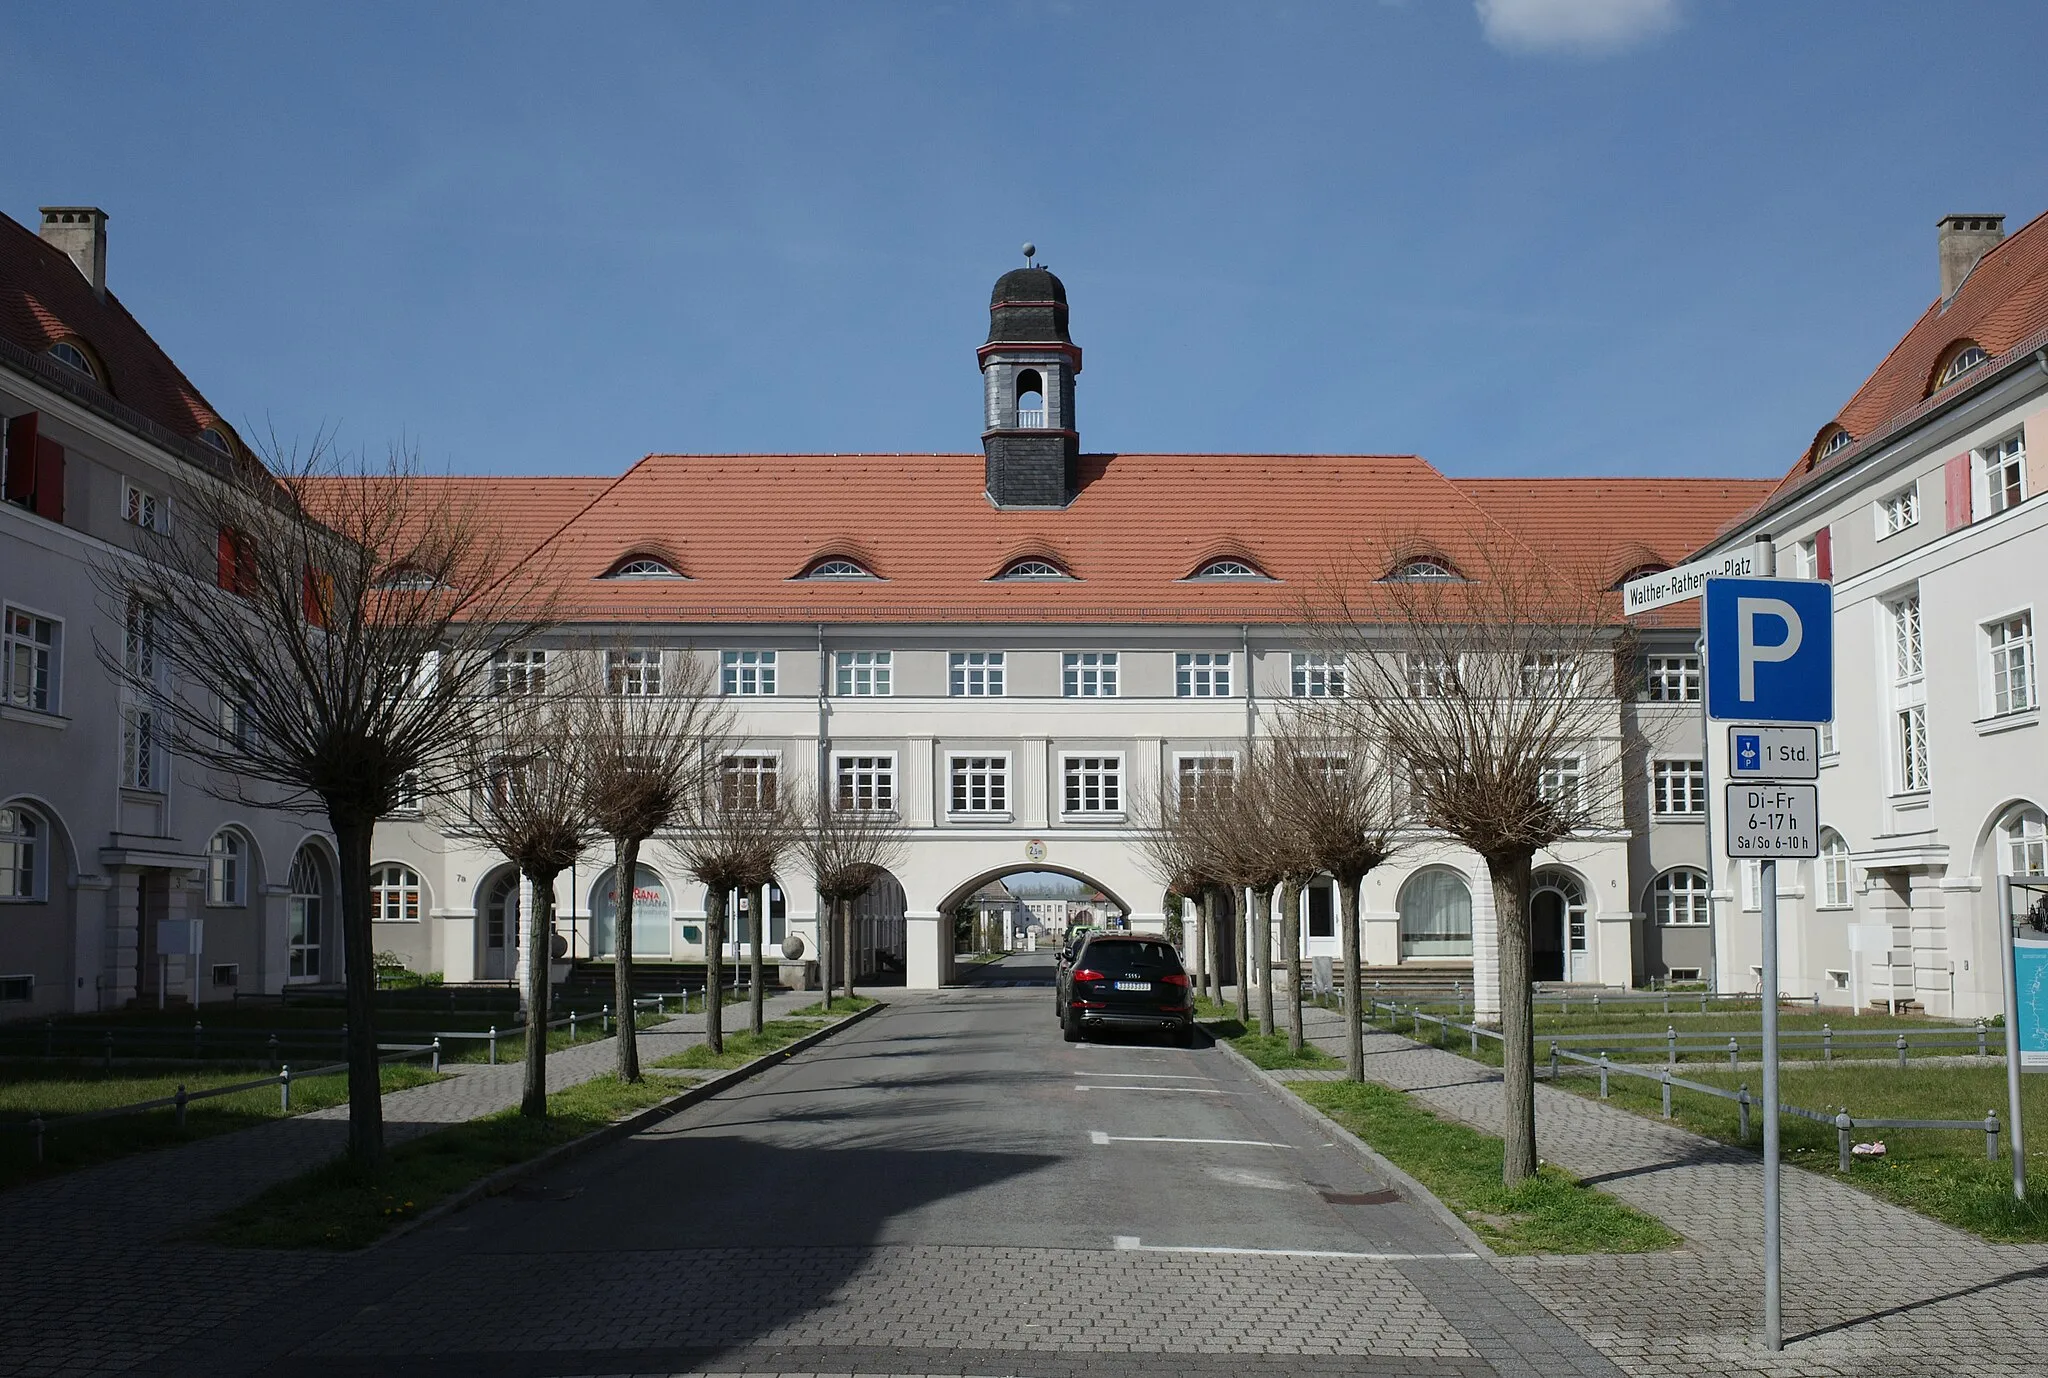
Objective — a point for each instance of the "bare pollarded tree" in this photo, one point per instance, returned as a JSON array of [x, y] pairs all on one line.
[[1495, 690], [741, 827], [1245, 849], [525, 759], [1344, 822], [850, 848], [648, 731], [308, 631], [1170, 839]]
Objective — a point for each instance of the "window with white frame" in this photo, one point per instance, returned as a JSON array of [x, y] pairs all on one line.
[[1318, 675], [1806, 558], [747, 673], [139, 642], [748, 782], [2002, 472], [1088, 674], [865, 783], [1753, 883], [2010, 642], [1678, 788], [862, 674], [144, 508], [1678, 898], [519, 672], [405, 795], [2025, 834], [1672, 679], [979, 784], [21, 853], [1092, 784], [1431, 675], [1909, 696], [1549, 674], [1563, 782], [225, 868], [975, 674], [142, 749], [1201, 674], [1203, 777], [394, 894], [1898, 511], [1834, 870], [30, 658], [634, 674]]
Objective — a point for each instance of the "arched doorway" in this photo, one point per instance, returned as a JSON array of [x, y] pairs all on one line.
[[308, 917], [1436, 915], [501, 926], [1557, 925]]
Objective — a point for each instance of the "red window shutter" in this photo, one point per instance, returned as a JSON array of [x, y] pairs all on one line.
[[1956, 488], [316, 591], [1824, 553], [49, 500], [21, 458], [245, 567], [226, 559]]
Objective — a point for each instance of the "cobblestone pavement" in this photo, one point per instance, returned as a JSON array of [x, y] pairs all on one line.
[[95, 1277], [1870, 1288]]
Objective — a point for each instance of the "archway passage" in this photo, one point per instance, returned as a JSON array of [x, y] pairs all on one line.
[[1008, 924]]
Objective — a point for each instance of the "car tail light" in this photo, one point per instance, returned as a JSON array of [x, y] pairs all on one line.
[[1085, 974], [1175, 979]]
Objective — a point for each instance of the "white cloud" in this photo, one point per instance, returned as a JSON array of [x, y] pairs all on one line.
[[1574, 26]]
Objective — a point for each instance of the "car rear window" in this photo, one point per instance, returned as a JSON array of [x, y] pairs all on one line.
[[1135, 956]]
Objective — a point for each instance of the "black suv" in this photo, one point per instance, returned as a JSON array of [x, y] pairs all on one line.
[[1120, 980]]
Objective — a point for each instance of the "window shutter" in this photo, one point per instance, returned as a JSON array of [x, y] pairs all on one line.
[[2034, 434], [225, 559], [1824, 553], [49, 499], [316, 591], [21, 458], [1956, 485]]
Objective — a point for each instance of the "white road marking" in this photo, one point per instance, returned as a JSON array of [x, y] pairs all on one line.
[[1099, 1137], [1144, 1076], [1129, 1243], [1184, 1090]]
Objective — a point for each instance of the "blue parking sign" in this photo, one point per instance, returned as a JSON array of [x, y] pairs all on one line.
[[1770, 650]]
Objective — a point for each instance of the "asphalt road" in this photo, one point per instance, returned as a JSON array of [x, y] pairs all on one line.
[[947, 1187]]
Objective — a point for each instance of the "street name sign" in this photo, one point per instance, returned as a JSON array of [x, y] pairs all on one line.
[[1770, 650], [1686, 581], [1772, 821], [1774, 753]]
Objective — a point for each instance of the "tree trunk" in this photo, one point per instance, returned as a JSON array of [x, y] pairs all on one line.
[[359, 972], [714, 970], [828, 950], [1354, 1005], [1290, 957], [1510, 877], [1241, 941], [1212, 931], [1262, 954], [757, 929], [533, 1099], [625, 877], [846, 945], [1205, 919]]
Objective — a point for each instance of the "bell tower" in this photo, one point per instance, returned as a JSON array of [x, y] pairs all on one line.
[[1031, 447]]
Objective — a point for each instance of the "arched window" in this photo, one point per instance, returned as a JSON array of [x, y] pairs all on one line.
[[1030, 399], [1428, 567], [218, 441], [650, 914], [643, 567], [1557, 918], [1837, 440], [1679, 898], [22, 836], [838, 567], [1834, 870], [1227, 569], [305, 913], [394, 894], [226, 863], [71, 356], [1967, 356], [2024, 835], [1436, 915], [1033, 569], [501, 927]]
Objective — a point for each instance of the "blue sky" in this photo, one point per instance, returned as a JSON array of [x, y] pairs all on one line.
[[1521, 236]]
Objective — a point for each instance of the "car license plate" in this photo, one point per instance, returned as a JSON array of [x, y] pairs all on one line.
[[1134, 985]]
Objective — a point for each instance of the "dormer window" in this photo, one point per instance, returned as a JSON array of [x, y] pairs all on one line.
[[71, 356], [1033, 569], [1969, 356], [1227, 568], [1840, 440], [1427, 567], [218, 441], [643, 567], [838, 567]]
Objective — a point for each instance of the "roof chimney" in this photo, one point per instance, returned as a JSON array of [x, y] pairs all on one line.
[[81, 232], [1964, 240]]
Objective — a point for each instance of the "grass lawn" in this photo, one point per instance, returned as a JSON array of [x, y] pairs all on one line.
[[841, 1004], [1942, 1173], [512, 1039], [1646, 1030], [1269, 1051], [740, 1048], [341, 1207], [29, 1088], [1551, 1213]]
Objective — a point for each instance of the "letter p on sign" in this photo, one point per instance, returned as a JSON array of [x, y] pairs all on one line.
[[1770, 650]]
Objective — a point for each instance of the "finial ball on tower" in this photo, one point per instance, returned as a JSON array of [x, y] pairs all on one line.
[[1029, 249]]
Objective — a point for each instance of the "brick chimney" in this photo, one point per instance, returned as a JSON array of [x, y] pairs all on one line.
[[81, 232], [1964, 240]]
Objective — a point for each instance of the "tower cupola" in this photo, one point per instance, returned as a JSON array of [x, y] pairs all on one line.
[[1029, 441]]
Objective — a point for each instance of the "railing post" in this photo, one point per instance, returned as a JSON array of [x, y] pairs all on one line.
[[1843, 1124], [1742, 1104], [1980, 1038], [437, 1052], [1670, 1045], [1902, 1052], [284, 1088], [1667, 1002], [494, 1045], [273, 1050], [1475, 1038], [180, 1098], [1553, 1059], [1603, 1074], [1827, 1043], [195, 1040], [1990, 1136], [572, 1026], [1666, 1080], [1596, 1002], [1703, 1002], [605, 1017], [36, 1124], [1732, 1049]]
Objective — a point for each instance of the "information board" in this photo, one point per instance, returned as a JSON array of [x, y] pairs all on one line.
[[1774, 753], [1773, 821]]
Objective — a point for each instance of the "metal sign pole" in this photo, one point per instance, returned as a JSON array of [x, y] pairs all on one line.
[[1774, 1338], [1707, 833], [2009, 951]]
